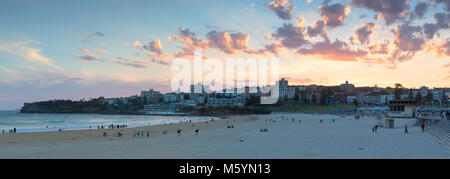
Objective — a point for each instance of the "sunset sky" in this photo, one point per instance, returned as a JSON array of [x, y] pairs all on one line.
[[65, 49]]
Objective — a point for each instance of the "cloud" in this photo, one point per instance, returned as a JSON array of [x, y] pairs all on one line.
[[446, 65], [84, 50], [408, 38], [317, 29], [334, 14], [190, 42], [440, 50], [442, 22], [446, 3], [100, 50], [363, 33], [270, 49], [290, 36], [162, 59], [29, 53], [420, 9], [37, 77], [299, 80], [282, 8], [99, 34], [389, 10], [93, 35], [133, 63], [227, 42], [154, 46], [337, 50], [89, 58], [379, 48]]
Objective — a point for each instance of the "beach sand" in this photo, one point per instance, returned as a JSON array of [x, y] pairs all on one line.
[[344, 138]]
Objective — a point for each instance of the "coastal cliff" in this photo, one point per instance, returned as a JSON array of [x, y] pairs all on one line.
[[94, 106]]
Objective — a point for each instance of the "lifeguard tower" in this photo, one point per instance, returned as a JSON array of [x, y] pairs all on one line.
[[401, 113]]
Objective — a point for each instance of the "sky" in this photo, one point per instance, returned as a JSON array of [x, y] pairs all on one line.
[[62, 49]]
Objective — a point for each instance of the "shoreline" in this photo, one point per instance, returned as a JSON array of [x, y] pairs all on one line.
[[94, 133]]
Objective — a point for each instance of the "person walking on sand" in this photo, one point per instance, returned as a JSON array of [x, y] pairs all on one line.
[[423, 127], [196, 131], [406, 129]]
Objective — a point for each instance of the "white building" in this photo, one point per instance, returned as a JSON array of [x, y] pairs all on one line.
[[401, 113], [285, 91]]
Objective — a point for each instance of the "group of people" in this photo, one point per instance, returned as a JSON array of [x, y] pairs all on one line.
[[10, 131], [140, 133], [112, 126], [375, 128]]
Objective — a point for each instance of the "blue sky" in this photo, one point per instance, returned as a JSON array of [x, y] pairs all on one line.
[[80, 49]]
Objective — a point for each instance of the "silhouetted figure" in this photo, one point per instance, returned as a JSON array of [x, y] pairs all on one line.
[[179, 132], [196, 131], [406, 129]]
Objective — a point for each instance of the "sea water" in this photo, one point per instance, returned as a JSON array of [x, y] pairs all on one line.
[[30, 122]]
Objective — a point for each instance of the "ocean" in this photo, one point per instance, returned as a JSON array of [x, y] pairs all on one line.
[[24, 122]]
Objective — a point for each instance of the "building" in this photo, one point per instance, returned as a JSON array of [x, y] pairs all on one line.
[[198, 93], [401, 113], [286, 93], [150, 96], [437, 94], [347, 88], [171, 98]]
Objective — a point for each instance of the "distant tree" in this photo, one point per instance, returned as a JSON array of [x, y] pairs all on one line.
[[398, 91]]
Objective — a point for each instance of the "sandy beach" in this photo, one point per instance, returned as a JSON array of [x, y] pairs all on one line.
[[308, 138]]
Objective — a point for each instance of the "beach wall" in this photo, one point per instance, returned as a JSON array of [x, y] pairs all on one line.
[[399, 122]]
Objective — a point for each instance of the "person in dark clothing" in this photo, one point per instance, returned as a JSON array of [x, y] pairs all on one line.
[[406, 129], [179, 132], [423, 127], [196, 131]]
